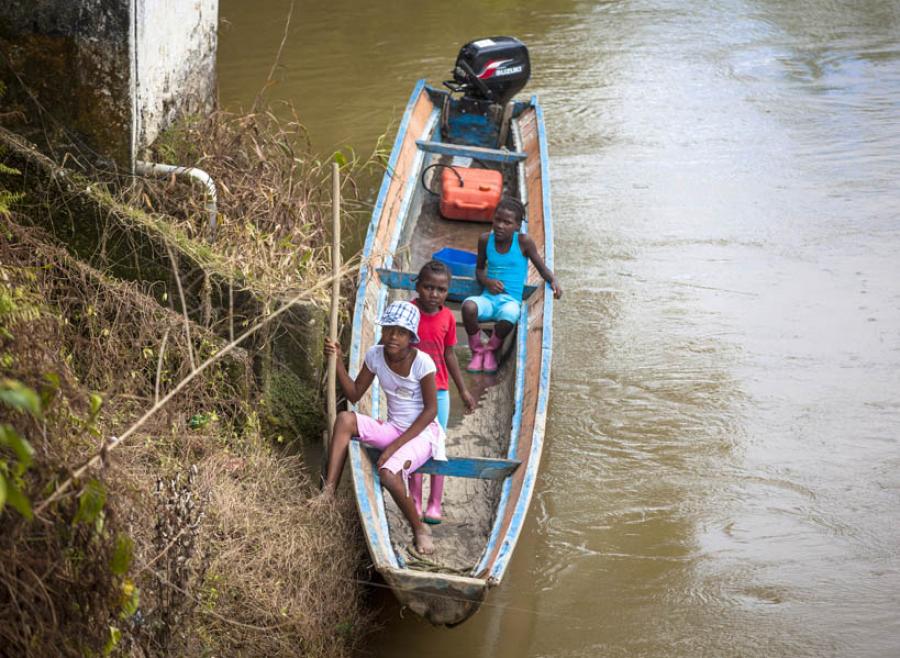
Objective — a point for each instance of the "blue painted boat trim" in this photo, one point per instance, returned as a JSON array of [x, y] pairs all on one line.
[[369, 514], [373, 518], [520, 167], [524, 500], [373, 227], [549, 251], [409, 191], [372, 512], [476, 152], [521, 355]]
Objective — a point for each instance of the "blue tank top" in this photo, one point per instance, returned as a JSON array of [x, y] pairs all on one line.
[[511, 268]]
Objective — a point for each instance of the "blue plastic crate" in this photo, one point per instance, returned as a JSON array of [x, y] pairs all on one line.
[[461, 263]]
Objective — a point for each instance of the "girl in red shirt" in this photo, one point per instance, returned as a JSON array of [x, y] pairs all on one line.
[[437, 336]]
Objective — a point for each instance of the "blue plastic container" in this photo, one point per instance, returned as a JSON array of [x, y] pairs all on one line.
[[461, 263]]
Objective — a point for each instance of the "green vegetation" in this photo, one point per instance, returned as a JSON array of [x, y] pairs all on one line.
[[15, 395], [7, 198], [195, 537]]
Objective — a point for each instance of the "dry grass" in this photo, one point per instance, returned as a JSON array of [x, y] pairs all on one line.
[[274, 196], [228, 557], [282, 565]]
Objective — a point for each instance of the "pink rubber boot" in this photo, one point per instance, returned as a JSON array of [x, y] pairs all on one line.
[[415, 492], [477, 362], [433, 513], [489, 363]]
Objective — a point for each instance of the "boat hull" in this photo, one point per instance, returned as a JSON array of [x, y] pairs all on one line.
[[442, 599], [483, 517]]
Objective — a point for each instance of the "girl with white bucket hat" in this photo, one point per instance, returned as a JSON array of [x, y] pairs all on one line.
[[411, 435]]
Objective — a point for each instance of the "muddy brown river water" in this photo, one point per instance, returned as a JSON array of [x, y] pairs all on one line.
[[722, 471]]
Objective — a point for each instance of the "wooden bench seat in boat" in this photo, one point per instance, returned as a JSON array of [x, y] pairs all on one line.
[[460, 286], [476, 152], [482, 468]]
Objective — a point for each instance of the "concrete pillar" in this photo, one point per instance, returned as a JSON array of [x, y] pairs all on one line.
[[108, 75], [175, 62]]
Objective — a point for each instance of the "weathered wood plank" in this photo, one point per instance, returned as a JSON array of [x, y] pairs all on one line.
[[460, 287], [480, 468], [476, 152]]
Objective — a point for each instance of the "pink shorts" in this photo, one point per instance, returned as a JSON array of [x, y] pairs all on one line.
[[381, 434]]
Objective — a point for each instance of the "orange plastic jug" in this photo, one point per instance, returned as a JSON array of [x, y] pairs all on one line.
[[470, 194]]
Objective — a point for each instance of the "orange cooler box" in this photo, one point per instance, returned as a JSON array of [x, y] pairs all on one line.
[[475, 199]]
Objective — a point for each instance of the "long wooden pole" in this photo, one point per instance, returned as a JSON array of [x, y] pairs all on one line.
[[335, 293]]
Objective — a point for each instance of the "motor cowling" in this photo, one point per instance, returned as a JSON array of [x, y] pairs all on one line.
[[493, 69]]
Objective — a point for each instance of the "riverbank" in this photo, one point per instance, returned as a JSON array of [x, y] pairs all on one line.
[[189, 532]]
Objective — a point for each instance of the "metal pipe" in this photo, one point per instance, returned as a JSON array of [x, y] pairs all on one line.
[[164, 170]]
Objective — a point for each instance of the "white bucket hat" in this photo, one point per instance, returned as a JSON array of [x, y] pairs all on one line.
[[402, 314]]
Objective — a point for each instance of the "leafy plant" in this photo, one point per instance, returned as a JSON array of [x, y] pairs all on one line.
[[7, 198], [122, 555], [201, 420], [90, 503], [18, 303], [115, 636], [16, 453]]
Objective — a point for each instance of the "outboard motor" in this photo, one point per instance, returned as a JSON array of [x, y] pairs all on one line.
[[492, 70], [488, 73]]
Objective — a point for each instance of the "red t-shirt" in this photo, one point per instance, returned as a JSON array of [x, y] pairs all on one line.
[[436, 332]]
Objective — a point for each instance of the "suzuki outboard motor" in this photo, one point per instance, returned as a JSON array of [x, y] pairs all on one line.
[[493, 69], [479, 112], [488, 73]]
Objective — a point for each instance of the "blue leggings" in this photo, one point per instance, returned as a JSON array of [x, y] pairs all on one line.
[[443, 415], [433, 513]]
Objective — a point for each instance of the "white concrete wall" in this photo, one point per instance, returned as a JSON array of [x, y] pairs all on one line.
[[174, 63]]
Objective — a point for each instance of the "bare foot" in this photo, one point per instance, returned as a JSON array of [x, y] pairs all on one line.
[[325, 498], [423, 540]]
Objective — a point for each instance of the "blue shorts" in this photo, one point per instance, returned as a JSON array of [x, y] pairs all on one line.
[[496, 308]]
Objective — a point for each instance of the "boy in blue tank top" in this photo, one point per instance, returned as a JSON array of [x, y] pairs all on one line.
[[502, 267]]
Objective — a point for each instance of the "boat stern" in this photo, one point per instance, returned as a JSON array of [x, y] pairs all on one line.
[[440, 598]]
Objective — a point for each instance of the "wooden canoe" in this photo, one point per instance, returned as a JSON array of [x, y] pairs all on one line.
[[495, 452]]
